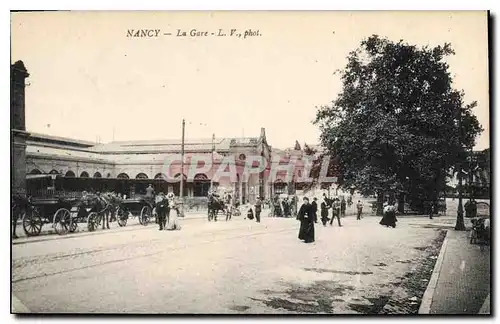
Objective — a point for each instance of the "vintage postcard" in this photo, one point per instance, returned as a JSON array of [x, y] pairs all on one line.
[[277, 162]]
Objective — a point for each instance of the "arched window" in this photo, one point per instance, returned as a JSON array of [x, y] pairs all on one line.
[[178, 176], [160, 176], [200, 177], [84, 174], [53, 172], [97, 175], [141, 176], [70, 174], [35, 171], [122, 176]]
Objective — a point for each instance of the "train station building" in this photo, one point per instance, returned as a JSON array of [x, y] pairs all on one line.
[[50, 163]]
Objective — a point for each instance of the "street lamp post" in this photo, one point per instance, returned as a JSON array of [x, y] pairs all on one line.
[[460, 224]]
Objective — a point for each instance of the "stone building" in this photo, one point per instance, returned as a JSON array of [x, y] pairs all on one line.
[[51, 163]]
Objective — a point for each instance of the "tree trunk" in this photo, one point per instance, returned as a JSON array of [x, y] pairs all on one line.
[[380, 203], [401, 203]]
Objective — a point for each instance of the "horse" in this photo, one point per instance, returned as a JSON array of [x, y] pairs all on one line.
[[214, 206], [99, 204], [112, 202]]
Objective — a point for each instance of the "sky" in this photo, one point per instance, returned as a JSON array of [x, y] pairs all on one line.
[[89, 81]]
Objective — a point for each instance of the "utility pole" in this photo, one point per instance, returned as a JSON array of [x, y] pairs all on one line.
[[181, 194], [212, 166]]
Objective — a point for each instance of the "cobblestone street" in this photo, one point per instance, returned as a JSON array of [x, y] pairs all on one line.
[[238, 266]]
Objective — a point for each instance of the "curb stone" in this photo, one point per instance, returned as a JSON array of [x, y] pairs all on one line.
[[425, 306], [485, 309]]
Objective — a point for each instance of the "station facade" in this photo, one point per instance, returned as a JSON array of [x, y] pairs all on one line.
[[43, 163]]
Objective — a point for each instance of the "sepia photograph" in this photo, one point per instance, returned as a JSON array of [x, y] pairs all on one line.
[[250, 162]]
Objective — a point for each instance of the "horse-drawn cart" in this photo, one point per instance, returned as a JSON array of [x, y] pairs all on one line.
[[64, 213], [138, 207], [42, 211]]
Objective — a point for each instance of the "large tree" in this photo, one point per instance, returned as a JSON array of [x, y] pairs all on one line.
[[397, 125]]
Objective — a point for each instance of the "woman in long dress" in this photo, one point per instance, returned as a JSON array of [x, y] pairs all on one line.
[[173, 223], [306, 217], [389, 218]]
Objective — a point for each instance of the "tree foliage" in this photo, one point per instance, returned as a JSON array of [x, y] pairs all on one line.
[[395, 125]]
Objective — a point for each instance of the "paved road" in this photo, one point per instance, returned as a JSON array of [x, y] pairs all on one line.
[[234, 267]]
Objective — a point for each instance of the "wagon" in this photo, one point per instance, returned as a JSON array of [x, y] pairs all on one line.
[[89, 210], [43, 211], [137, 207]]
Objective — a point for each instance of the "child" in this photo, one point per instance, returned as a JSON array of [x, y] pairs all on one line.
[[250, 212]]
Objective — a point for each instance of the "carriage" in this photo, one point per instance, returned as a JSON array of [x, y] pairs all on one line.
[[217, 205], [139, 207], [64, 213], [38, 212]]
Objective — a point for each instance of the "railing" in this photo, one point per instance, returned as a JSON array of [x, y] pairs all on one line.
[[45, 193]]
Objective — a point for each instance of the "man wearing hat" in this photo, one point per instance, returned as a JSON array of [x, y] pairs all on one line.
[[258, 209], [161, 210], [306, 217]]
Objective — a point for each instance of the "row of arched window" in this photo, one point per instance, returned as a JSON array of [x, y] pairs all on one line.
[[85, 174]]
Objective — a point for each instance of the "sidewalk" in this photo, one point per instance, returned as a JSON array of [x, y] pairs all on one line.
[[460, 283]]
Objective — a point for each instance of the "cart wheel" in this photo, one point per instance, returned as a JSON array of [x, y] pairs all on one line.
[[74, 225], [92, 222], [145, 215], [32, 223], [62, 221], [121, 217]]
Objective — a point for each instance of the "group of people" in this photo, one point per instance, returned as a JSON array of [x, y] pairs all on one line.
[[307, 215], [285, 207], [258, 210], [164, 204]]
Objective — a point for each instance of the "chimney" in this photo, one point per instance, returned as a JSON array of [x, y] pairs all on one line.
[[262, 132], [18, 74]]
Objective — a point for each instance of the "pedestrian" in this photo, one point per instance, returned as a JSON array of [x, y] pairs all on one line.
[[306, 217], [161, 210], [258, 209], [286, 207], [342, 207], [335, 211], [277, 207], [250, 212], [359, 207], [389, 218], [324, 212], [150, 192], [314, 206]]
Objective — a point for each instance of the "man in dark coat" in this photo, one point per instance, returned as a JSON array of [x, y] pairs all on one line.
[[161, 210], [342, 207], [314, 206], [335, 211], [306, 217], [324, 212], [258, 209]]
